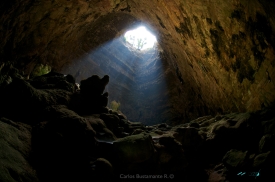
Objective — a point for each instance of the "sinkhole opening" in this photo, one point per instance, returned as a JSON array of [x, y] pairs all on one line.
[[140, 38]]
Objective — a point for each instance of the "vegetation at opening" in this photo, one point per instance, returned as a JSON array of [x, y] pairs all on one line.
[[40, 69], [140, 38], [137, 42], [114, 105]]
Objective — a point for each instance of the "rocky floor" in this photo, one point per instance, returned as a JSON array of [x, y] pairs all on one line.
[[52, 130]]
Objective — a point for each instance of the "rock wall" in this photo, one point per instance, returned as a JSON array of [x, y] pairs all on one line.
[[216, 56], [54, 131]]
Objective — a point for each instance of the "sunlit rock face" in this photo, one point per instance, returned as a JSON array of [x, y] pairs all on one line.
[[211, 57]]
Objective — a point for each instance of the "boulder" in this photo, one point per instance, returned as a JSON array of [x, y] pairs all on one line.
[[28, 102], [235, 159], [111, 121], [230, 124], [67, 120], [121, 115], [137, 131], [263, 164], [233, 131], [262, 160], [188, 137], [267, 143], [134, 148], [194, 125], [130, 127], [54, 80], [171, 143], [91, 99], [86, 106], [103, 134], [62, 145], [217, 174], [7, 74], [268, 126], [103, 169], [157, 132], [15, 142], [93, 86], [164, 126], [164, 156]]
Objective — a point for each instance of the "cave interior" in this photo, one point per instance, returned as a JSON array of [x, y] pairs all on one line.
[[78, 101]]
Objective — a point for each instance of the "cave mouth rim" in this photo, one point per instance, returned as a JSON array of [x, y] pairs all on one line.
[[142, 39]]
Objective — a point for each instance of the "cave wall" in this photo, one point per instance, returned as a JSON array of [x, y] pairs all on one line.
[[216, 56]]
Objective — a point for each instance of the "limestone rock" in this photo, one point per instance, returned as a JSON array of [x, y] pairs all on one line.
[[62, 145], [132, 126], [137, 131], [67, 120], [188, 137], [103, 169], [28, 102], [171, 144], [203, 56], [111, 121], [217, 174], [103, 134], [123, 122], [262, 161], [235, 159], [7, 73], [122, 116], [233, 130], [134, 148], [164, 156], [267, 143], [54, 80], [164, 126], [93, 86], [91, 99], [268, 126], [194, 125], [15, 153]]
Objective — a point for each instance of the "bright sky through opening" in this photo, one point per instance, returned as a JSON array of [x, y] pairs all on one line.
[[140, 38]]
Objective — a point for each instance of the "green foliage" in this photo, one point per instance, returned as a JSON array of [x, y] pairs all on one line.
[[40, 69], [114, 105], [136, 41], [141, 43]]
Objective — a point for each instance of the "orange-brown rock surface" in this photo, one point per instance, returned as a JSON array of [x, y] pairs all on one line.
[[212, 57]]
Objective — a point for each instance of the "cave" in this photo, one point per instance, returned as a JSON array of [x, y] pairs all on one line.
[[79, 101]]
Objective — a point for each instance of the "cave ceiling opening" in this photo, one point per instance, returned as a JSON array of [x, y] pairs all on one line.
[[137, 79], [211, 56], [140, 38]]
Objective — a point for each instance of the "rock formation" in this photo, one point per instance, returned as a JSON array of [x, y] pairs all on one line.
[[59, 143], [207, 51], [198, 106]]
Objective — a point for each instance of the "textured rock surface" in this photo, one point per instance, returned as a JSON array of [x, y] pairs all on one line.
[[62, 145], [134, 149], [212, 57], [208, 51], [15, 142], [235, 159]]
